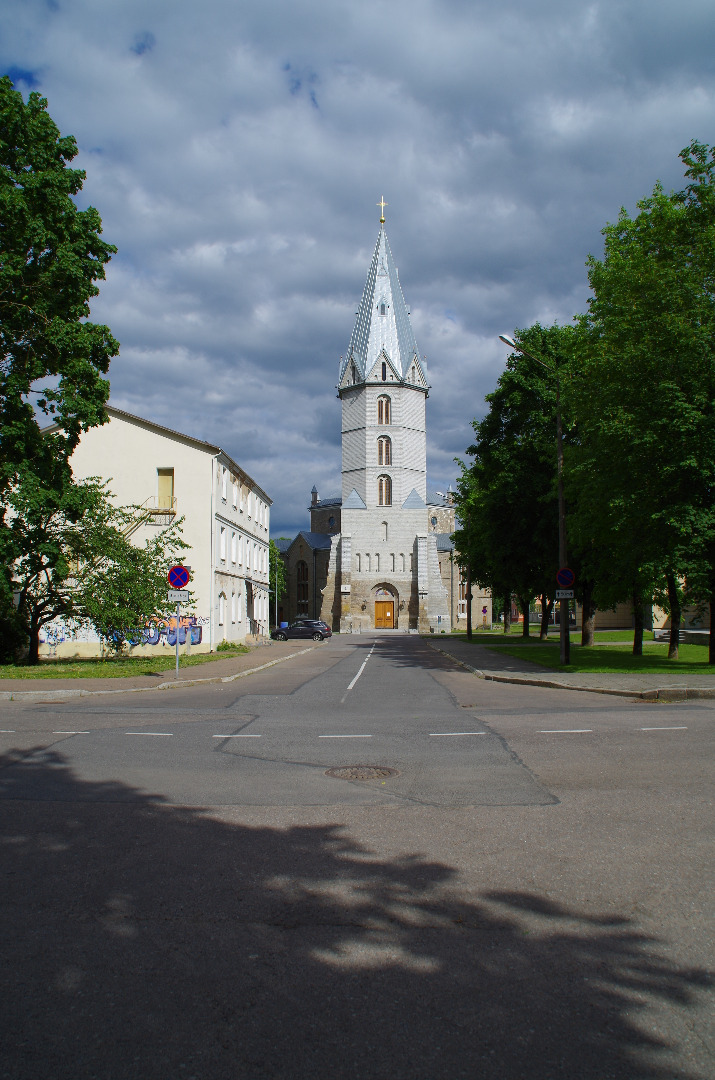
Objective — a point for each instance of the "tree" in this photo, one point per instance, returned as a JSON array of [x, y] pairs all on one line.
[[74, 560], [645, 466], [507, 498], [277, 573], [52, 357]]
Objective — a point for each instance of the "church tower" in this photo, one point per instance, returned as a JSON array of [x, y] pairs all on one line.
[[384, 567]]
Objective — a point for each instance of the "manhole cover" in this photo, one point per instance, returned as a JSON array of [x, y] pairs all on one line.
[[361, 772]]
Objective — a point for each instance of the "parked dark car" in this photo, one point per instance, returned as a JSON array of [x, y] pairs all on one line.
[[303, 628]]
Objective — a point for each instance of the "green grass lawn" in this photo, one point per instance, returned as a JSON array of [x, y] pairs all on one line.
[[692, 659], [113, 667]]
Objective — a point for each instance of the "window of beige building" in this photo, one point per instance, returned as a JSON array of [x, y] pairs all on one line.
[[165, 488]]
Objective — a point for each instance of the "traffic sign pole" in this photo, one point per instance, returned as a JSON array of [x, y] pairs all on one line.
[[178, 578]]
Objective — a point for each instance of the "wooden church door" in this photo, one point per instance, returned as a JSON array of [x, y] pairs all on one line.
[[384, 614]]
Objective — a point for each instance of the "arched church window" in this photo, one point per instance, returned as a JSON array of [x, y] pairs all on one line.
[[353, 374], [384, 372], [383, 309], [384, 491], [301, 573], [384, 450], [384, 532], [383, 410], [413, 376]]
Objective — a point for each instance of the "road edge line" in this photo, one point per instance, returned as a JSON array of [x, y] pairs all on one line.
[[57, 694], [659, 693]]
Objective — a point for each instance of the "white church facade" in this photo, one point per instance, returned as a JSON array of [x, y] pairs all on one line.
[[373, 557]]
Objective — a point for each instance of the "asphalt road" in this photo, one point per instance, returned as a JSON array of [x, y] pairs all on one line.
[[189, 894]]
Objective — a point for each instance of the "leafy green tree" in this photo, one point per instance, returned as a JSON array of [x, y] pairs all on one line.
[[507, 498], [645, 463], [74, 560], [277, 573], [52, 357]]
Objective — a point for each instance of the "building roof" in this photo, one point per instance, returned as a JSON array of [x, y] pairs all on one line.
[[209, 448], [283, 543], [444, 542], [316, 541], [374, 332], [332, 500], [354, 502], [413, 501], [434, 498]]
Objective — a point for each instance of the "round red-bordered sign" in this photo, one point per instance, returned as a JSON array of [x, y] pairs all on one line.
[[178, 577], [565, 577]]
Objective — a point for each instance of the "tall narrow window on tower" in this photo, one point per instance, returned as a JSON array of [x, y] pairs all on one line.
[[383, 410], [384, 450], [384, 372], [384, 491]]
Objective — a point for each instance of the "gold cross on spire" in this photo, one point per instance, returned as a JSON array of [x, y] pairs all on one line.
[[382, 204]]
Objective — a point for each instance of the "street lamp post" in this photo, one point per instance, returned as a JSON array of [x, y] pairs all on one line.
[[564, 638]]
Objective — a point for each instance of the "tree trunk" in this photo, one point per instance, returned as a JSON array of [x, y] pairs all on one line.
[[524, 605], [638, 623], [675, 613], [711, 648], [507, 613], [546, 609], [469, 603], [588, 615], [33, 656]]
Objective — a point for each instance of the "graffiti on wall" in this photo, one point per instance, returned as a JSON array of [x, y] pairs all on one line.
[[163, 631], [157, 632]]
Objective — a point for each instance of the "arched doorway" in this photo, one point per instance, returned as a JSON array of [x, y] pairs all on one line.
[[385, 608]]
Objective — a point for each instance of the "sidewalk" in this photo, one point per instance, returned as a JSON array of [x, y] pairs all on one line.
[[220, 670], [497, 667]]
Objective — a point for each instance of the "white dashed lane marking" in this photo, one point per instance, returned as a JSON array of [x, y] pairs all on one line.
[[241, 736], [567, 731], [675, 727], [364, 665], [344, 736], [160, 734], [441, 734]]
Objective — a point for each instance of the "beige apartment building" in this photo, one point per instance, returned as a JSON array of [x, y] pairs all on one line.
[[226, 522]]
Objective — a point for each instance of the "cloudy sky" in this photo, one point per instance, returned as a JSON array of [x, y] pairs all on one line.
[[236, 152]]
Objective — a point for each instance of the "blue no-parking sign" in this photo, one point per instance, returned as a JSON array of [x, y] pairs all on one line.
[[565, 577], [178, 577]]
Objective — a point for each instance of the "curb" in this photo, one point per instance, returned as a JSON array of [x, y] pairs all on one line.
[[660, 693], [61, 695]]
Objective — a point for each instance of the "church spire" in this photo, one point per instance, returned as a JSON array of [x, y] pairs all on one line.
[[383, 323]]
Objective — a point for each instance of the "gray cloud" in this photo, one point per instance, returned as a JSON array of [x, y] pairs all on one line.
[[236, 154]]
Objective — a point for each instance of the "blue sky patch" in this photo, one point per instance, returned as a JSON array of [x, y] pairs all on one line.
[[23, 75], [143, 43]]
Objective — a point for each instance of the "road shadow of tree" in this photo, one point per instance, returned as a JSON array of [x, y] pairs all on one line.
[[153, 942]]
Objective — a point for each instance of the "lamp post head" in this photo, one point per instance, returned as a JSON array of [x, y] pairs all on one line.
[[508, 341]]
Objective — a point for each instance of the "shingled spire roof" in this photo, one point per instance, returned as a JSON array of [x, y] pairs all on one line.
[[382, 321]]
